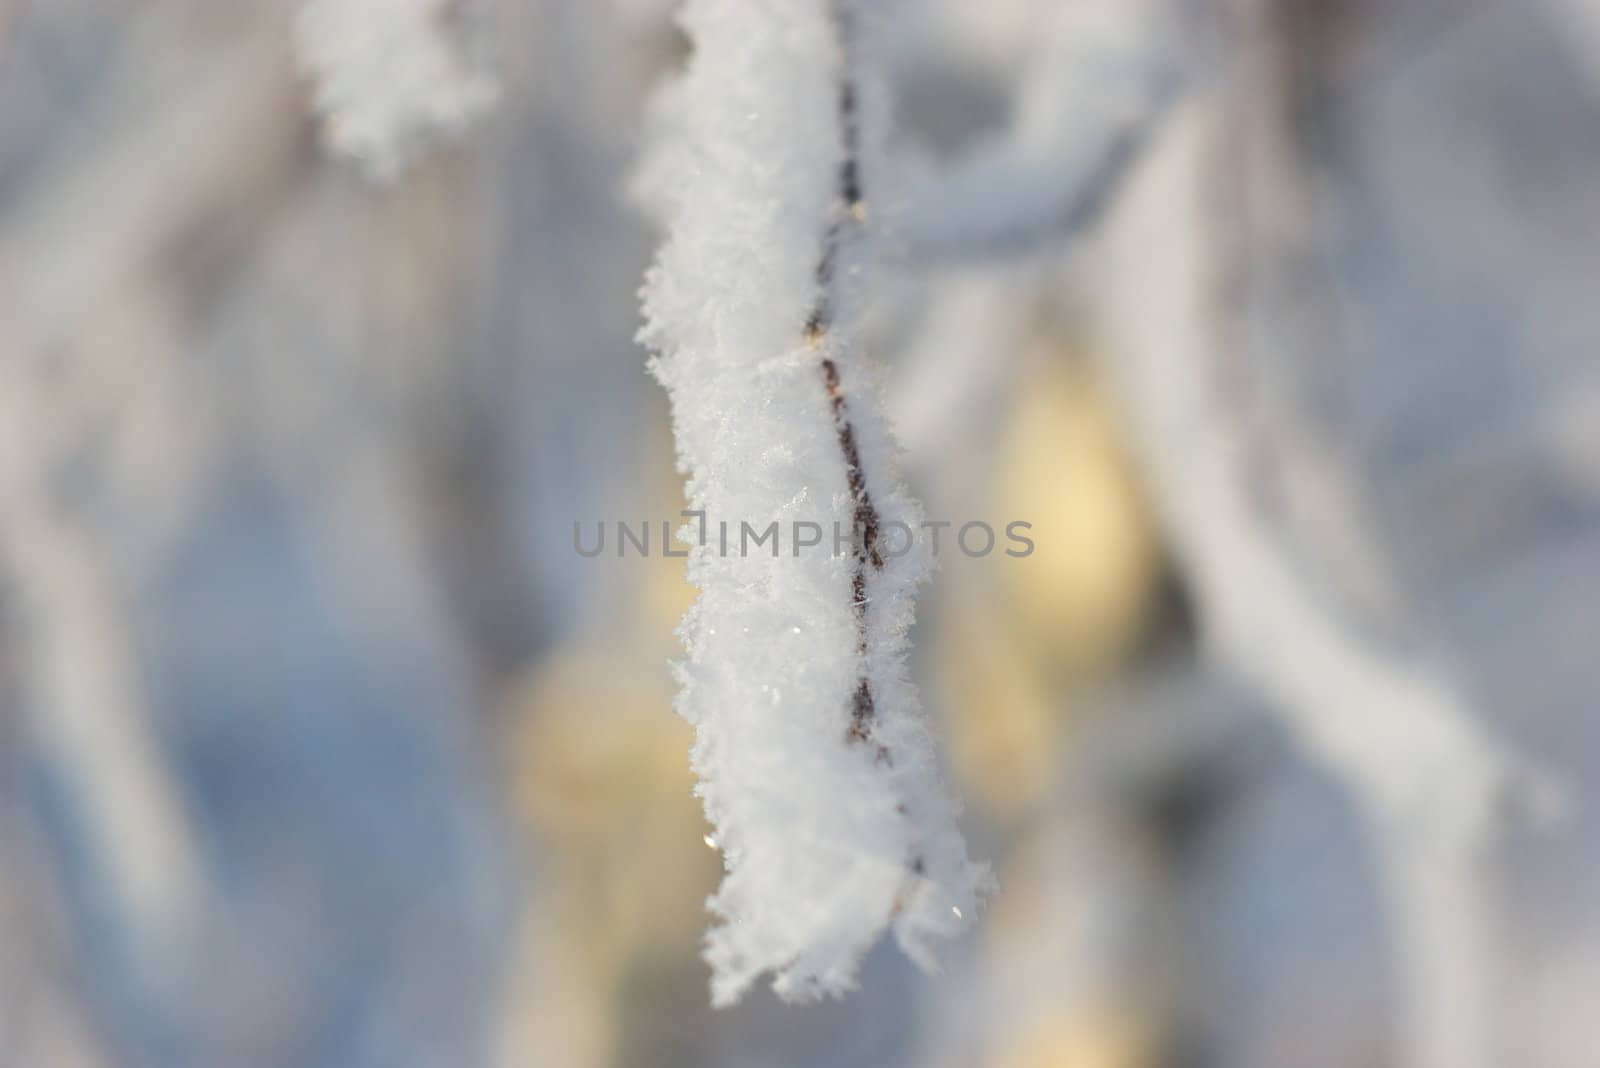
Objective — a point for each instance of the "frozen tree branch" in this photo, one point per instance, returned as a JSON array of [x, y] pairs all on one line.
[[391, 77], [130, 194], [127, 199], [816, 765], [951, 380], [1393, 725], [1296, 606], [1085, 108], [91, 738]]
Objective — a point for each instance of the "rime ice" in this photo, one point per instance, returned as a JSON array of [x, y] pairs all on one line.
[[389, 78], [815, 762]]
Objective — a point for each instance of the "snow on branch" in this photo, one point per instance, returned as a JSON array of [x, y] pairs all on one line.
[[816, 765], [1391, 720], [1087, 104], [391, 76]]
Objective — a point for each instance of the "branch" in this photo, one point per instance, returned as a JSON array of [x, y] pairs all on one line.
[[1392, 723], [1088, 105], [391, 77], [815, 761]]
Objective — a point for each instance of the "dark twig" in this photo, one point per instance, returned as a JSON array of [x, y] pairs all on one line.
[[819, 325]]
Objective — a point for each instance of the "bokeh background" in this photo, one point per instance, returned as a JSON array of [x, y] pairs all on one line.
[[321, 745]]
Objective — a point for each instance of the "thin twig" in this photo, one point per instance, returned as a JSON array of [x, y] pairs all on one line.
[[819, 333]]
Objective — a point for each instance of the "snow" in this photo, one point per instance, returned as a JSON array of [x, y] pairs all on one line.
[[390, 78], [815, 762]]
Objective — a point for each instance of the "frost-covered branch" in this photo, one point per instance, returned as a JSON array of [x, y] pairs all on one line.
[[1286, 601], [1392, 724], [89, 732], [956, 368], [1091, 98], [391, 77], [815, 761], [127, 196]]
